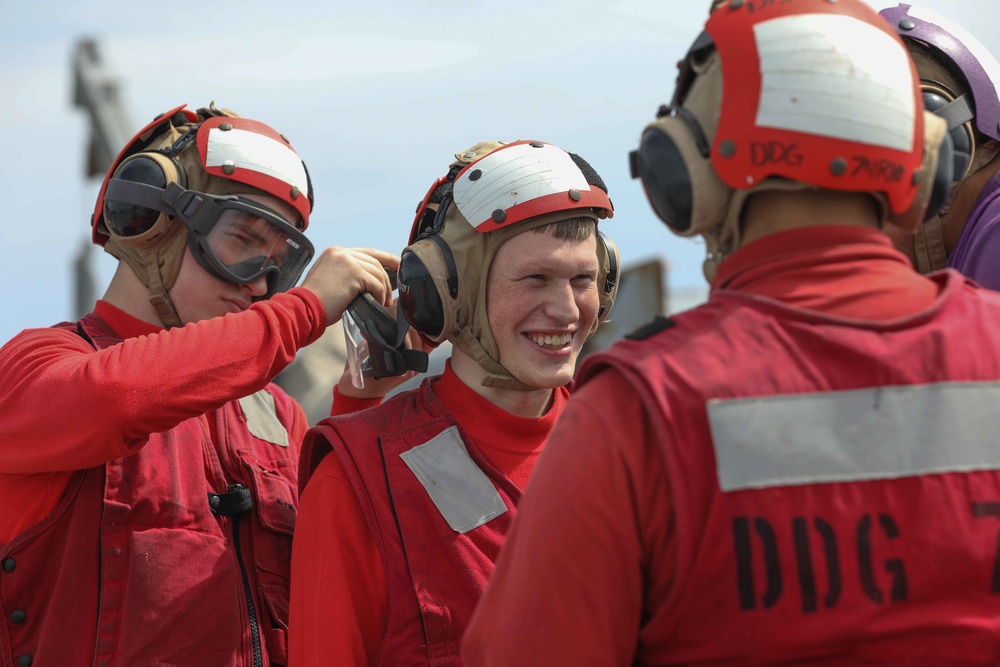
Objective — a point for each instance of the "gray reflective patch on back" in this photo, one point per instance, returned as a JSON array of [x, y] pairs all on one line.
[[462, 492], [262, 419], [866, 434]]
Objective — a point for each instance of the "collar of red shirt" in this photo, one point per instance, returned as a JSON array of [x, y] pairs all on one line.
[[488, 424], [843, 270], [124, 324]]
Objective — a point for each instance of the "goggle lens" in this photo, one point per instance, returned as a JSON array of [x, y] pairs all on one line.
[[247, 241]]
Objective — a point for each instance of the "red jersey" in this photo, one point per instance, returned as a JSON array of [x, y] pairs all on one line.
[[138, 459], [681, 515], [364, 595]]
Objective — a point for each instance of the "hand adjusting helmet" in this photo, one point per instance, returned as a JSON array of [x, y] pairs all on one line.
[[813, 94], [492, 192], [183, 181], [958, 80]]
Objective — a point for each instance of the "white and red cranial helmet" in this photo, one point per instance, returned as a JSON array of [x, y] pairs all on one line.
[[182, 173], [217, 152], [492, 192], [791, 95], [818, 92]]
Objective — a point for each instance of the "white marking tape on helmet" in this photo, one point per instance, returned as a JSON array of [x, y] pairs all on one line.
[[975, 47], [835, 76], [249, 150], [515, 175]]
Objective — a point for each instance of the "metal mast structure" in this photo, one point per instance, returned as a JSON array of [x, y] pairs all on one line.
[[96, 91]]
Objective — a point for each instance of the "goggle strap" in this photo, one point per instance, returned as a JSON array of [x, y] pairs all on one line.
[[142, 194], [957, 112], [402, 326], [378, 327]]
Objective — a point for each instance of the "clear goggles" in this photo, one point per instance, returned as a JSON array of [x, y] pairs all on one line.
[[239, 240], [376, 342]]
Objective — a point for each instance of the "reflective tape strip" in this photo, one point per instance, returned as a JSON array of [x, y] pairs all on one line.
[[256, 152], [460, 490], [835, 76], [515, 175], [860, 435], [262, 418]]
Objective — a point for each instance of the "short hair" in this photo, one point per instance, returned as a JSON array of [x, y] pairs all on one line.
[[572, 229]]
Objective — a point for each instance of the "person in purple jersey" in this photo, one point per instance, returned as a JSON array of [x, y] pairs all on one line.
[[959, 77]]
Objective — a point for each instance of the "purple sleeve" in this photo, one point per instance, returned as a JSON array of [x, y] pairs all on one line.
[[977, 253]]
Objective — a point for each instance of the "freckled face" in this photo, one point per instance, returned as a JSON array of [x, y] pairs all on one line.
[[542, 300]]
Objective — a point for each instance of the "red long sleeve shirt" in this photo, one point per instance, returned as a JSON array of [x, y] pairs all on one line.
[[340, 603], [65, 407]]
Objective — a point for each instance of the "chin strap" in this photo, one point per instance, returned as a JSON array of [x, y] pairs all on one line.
[[928, 247], [156, 267], [497, 376]]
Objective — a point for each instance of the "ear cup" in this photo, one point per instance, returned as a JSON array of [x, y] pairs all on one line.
[[674, 163], [608, 283], [127, 219], [666, 179], [419, 299], [958, 115]]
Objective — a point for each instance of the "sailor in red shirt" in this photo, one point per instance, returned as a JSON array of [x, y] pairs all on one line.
[[148, 468], [804, 470], [407, 504]]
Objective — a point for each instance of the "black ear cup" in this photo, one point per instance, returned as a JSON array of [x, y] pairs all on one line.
[[665, 177], [129, 219], [958, 115], [419, 300], [609, 249], [961, 136], [664, 171]]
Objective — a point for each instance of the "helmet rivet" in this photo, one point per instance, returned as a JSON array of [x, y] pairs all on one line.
[[727, 148], [225, 127], [469, 155], [916, 176], [574, 194], [228, 167], [475, 174], [284, 138], [736, 4], [838, 166], [907, 24], [499, 215], [536, 144], [295, 192]]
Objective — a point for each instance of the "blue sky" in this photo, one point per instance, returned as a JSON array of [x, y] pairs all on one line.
[[375, 97]]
